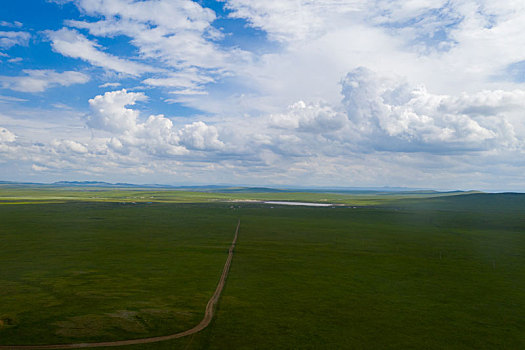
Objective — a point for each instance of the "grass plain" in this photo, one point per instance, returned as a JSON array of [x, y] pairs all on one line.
[[384, 272]]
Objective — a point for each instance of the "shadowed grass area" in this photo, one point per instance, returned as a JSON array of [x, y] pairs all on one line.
[[374, 279], [411, 274]]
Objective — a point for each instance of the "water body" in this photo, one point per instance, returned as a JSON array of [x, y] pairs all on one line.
[[300, 203]]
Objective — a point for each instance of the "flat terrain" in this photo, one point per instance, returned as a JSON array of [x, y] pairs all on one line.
[[87, 272], [13, 194], [403, 273]]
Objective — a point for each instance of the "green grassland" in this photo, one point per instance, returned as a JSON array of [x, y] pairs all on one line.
[[23, 195], [394, 272], [88, 271]]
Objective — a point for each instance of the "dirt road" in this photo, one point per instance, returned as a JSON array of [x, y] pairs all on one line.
[[208, 315]]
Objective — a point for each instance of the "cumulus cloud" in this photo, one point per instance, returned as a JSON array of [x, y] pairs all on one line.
[[381, 114], [393, 115], [316, 118], [110, 112], [12, 38], [156, 135], [38, 80], [200, 136], [69, 146], [6, 135], [384, 114]]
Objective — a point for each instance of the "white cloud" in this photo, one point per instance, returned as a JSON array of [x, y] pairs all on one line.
[[186, 92], [396, 116], [6, 135], [62, 106], [14, 24], [316, 118], [189, 79], [4, 98], [157, 135], [110, 112], [175, 36], [200, 136], [173, 32], [15, 60], [404, 11], [39, 80], [290, 20], [10, 39], [112, 85], [37, 167], [449, 46], [183, 14], [379, 114], [73, 44], [69, 146]]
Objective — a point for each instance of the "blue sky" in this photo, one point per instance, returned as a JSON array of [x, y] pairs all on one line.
[[308, 93]]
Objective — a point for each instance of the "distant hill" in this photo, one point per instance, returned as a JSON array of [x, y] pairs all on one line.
[[380, 191], [102, 184], [485, 202]]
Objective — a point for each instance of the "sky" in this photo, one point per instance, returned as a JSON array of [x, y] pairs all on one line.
[[351, 93]]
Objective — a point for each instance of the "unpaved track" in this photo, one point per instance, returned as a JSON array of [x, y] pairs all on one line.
[[208, 315]]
